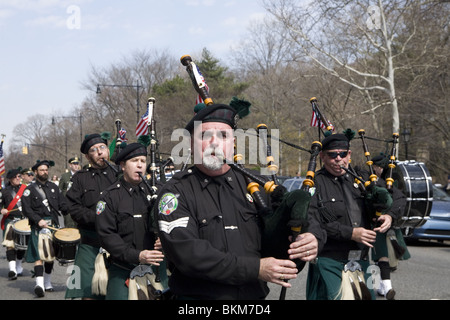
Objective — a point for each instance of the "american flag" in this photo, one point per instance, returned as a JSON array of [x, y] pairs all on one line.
[[142, 126], [2, 160], [122, 133], [199, 97], [315, 121]]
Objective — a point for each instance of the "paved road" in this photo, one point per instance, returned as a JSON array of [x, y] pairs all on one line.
[[425, 276]]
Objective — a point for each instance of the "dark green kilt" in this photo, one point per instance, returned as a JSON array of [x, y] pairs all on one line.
[[84, 264], [325, 277], [32, 254], [380, 248]]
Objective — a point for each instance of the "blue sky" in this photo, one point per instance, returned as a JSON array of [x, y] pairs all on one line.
[[48, 46]]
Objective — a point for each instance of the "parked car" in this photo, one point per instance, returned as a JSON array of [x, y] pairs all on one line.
[[293, 183], [437, 226]]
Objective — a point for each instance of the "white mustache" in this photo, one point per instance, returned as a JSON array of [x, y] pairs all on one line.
[[218, 153]]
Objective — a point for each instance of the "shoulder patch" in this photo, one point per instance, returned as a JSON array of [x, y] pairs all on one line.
[[167, 204], [26, 193], [101, 205]]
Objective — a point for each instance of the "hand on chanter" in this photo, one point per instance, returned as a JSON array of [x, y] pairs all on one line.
[[305, 247], [277, 270]]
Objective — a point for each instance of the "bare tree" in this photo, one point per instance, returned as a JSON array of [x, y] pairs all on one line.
[[355, 41], [122, 89]]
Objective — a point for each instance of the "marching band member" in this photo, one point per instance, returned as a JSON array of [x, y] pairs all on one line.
[[83, 195], [12, 211], [208, 223], [42, 203], [65, 184], [124, 223], [338, 203], [27, 176]]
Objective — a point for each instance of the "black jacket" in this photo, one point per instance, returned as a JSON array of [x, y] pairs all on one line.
[[123, 221], [42, 200], [7, 196], [83, 195], [329, 205], [214, 247]]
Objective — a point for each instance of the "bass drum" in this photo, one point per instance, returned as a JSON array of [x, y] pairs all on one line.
[[414, 180]]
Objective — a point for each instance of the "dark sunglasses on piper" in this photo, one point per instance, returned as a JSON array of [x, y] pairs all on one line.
[[333, 155]]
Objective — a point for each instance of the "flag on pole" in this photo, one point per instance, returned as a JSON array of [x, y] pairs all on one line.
[[142, 126], [122, 134], [315, 121], [2, 160]]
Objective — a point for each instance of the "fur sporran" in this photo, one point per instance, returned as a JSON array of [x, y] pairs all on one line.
[[8, 241], [353, 286], [145, 288], [45, 245]]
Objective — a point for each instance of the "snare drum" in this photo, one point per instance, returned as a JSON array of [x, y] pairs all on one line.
[[65, 243], [415, 182], [21, 234]]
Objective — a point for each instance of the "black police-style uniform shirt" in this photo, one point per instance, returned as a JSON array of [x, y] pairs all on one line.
[[42, 200], [7, 195], [213, 243], [123, 221], [337, 222], [83, 195]]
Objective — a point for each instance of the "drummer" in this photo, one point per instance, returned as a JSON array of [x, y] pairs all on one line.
[[124, 225], [42, 201], [12, 212]]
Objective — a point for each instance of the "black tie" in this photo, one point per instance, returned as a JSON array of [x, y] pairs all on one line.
[[230, 216]]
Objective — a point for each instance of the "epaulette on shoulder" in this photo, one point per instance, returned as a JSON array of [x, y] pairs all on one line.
[[112, 187], [182, 174], [83, 170]]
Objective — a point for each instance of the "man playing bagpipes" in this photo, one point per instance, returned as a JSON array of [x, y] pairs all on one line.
[[10, 198], [210, 227], [347, 216], [42, 203], [83, 195], [124, 225]]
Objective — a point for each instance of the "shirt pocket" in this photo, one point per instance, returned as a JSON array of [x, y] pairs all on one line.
[[250, 226], [336, 207], [211, 228], [90, 197]]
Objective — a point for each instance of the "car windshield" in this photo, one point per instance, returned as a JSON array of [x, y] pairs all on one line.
[[293, 183], [439, 194]]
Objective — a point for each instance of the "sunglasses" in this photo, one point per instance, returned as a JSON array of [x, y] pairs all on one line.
[[334, 155]]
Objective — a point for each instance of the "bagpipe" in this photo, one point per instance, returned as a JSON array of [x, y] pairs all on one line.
[[151, 275], [410, 177], [286, 214], [413, 179]]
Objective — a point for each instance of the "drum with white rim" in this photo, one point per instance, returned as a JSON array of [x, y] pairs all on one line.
[[65, 243], [21, 234], [414, 180]]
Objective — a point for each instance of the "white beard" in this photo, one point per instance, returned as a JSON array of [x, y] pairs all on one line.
[[213, 162]]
